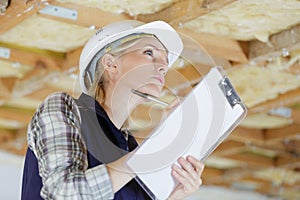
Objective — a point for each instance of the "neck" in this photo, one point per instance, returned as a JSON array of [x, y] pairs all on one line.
[[118, 105]]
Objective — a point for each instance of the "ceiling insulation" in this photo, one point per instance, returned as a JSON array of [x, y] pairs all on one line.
[[222, 163], [23, 103], [11, 124], [258, 84], [248, 20], [13, 69], [44, 33], [279, 176], [132, 7], [265, 121]]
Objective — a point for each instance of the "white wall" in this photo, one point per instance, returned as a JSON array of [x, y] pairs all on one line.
[[10, 176]]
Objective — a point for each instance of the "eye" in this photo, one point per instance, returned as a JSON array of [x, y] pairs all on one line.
[[148, 52]]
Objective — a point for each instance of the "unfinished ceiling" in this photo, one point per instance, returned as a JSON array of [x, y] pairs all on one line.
[[257, 42]]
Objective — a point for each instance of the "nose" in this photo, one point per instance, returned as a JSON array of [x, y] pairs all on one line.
[[162, 65]]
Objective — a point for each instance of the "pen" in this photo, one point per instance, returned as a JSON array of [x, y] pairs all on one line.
[[149, 97]]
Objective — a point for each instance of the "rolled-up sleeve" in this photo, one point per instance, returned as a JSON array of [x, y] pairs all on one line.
[[54, 136]]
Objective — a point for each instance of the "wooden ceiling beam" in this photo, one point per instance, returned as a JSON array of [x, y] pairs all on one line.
[[210, 175], [282, 133], [283, 100], [279, 44], [217, 45], [177, 13], [229, 147], [191, 10], [72, 59], [16, 114], [18, 11], [247, 135], [6, 135], [177, 10], [33, 59], [87, 16], [252, 159]]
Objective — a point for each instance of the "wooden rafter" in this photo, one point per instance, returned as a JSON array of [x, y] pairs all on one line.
[[230, 49], [16, 114], [201, 8], [18, 11], [88, 16], [283, 100], [229, 147], [279, 44], [32, 58], [72, 59], [281, 133], [217, 45], [177, 13]]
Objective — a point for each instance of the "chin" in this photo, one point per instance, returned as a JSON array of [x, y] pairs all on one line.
[[153, 90]]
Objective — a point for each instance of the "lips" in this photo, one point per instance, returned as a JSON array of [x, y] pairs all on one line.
[[160, 79]]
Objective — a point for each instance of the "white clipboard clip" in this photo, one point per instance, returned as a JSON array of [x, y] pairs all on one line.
[[205, 117]]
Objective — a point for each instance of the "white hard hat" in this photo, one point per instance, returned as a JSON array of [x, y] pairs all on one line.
[[109, 34]]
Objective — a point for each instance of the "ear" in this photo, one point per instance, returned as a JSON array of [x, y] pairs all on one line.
[[108, 63]]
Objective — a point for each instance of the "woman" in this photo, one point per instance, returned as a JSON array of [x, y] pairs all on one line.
[[77, 147]]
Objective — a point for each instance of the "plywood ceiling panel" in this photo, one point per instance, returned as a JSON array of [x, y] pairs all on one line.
[[132, 7], [247, 20], [43, 33]]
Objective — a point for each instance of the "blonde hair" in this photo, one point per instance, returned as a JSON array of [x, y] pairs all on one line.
[[97, 88]]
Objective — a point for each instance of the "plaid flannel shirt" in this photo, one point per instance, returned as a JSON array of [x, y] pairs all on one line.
[[54, 136]]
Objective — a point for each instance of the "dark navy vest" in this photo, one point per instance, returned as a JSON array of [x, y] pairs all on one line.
[[105, 143]]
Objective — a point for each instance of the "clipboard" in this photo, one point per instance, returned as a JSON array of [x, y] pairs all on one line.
[[205, 117]]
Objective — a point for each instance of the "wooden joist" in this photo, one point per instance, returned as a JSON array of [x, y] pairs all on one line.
[[19, 115], [280, 44], [282, 133], [18, 11], [88, 16], [33, 58], [283, 100], [217, 45]]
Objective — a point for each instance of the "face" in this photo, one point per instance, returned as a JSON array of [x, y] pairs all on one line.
[[142, 67]]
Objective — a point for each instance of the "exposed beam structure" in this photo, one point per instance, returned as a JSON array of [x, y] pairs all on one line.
[[18, 11], [195, 9], [72, 59], [177, 13], [88, 16], [230, 49], [217, 45], [280, 44], [16, 114], [283, 100], [33, 58]]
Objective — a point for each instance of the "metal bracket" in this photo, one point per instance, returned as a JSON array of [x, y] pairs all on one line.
[[3, 5], [4, 52], [58, 11], [230, 93], [282, 111]]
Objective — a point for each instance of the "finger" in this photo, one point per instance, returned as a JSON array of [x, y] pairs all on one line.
[[189, 168], [187, 186], [189, 181], [198, 165]]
